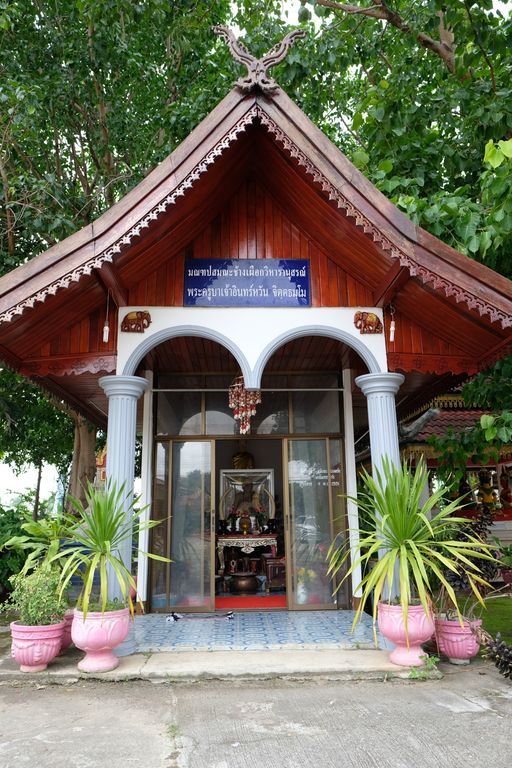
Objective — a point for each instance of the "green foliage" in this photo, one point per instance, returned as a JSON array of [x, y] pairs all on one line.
[[93, 539], [12, 519], [498, 616], [425, 672], [93, 95], [437, 136], [481, 444], [36, 597], [492, 388], [409, 538], [38, 541], [504, 553], [32, 431], [11, 562]]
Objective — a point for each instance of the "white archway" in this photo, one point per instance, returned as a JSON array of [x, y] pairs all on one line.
[[312, 330], [159, 337], [252, 335]]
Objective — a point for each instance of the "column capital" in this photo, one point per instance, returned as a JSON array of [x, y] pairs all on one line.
[[124, 386], [380, 383]]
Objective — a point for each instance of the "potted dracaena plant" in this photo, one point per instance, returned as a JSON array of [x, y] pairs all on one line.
[[406, 546], [95, 536], [37, 633]]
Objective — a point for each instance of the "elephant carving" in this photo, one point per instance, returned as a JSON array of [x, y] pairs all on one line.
[[136, 321], [367, 322]]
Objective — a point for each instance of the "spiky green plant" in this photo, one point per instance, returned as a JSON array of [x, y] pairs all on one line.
[[41, 539], [94, 536], [415, 539]]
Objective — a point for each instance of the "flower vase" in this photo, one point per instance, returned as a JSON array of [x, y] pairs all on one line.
[[302, 594]]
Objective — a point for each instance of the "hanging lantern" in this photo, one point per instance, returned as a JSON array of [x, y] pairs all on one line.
[[243, 402]]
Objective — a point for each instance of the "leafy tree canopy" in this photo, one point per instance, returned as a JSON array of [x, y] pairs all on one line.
[[418, 94], [32, 430]]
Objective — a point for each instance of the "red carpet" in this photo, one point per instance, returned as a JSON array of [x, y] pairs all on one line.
[[245, 602]]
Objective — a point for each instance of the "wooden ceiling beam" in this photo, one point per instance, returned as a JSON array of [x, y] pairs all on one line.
[[70, 365], [497, 352], [433, 386], [391, 284], [110, 279], [94, 414], [9, 358]]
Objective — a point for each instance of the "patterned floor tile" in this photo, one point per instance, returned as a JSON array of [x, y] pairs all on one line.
[[253, 630]]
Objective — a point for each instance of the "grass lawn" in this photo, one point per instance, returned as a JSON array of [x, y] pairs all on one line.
[[498, 617]]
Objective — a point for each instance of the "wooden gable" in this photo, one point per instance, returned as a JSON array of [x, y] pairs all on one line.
[[256, 179]]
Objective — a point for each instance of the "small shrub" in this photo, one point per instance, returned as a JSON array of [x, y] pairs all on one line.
[[11, 562], [501, 654], [36, 599]]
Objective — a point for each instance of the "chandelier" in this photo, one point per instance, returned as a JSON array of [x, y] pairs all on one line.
[[243, 402]]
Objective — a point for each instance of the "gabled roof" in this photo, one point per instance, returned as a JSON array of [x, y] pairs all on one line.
[[436, 422], [403, 243], [467, 305]]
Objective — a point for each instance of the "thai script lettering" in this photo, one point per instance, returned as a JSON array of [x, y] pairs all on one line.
[[250, 271], [246, 283]]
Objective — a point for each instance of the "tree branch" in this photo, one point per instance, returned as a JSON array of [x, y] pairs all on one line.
[[477, 40], [9, 215], [108, 158], [374, 11], [444, 49]]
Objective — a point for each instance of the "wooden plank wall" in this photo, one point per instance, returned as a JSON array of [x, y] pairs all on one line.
[[252, 226]]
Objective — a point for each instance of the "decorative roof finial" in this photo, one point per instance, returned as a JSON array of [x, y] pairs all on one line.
[[257, 68]]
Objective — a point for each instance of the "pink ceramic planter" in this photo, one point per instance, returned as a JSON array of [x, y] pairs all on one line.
[[34, 647], [458, 643], [66, 635], [420, 627], [97, 636]]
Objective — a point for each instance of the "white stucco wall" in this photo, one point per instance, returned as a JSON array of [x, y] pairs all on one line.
[[251, 334]]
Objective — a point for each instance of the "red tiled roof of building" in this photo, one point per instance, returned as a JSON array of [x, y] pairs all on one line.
[[439, 423]]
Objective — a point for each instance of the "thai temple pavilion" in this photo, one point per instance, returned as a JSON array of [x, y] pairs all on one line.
[[251, 309]]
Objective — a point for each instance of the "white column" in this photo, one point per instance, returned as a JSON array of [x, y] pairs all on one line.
[[351, 480], [380, 390], [122, 393], [146, 489]]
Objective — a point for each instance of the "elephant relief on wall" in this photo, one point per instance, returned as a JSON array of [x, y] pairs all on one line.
[[136, 321], [367, 322]]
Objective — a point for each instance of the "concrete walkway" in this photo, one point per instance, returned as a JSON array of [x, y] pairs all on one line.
[[254, 646], [284, 662], [461, 720], [222, 665]]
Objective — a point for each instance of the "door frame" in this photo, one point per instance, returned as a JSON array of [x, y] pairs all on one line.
[[292, 605], [207, 529]]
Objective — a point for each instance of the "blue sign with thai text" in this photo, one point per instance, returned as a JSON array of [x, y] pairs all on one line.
[[246, 283]]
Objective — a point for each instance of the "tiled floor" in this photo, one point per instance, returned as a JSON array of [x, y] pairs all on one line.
[[253, 630]]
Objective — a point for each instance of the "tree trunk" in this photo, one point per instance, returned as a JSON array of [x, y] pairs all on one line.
[[35, 511], [83, 467]]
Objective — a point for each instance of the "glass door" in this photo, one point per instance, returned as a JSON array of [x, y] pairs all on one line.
[[183, 499], [313, 513]]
